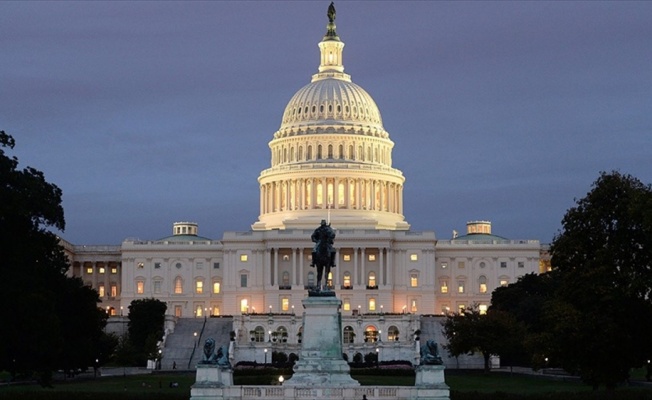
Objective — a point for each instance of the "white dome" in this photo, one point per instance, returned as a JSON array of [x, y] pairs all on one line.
[[334, 102]]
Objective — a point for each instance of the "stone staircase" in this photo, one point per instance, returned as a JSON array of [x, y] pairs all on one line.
[[185, 349]]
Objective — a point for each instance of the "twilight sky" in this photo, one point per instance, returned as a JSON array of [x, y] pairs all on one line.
[[147, 113]]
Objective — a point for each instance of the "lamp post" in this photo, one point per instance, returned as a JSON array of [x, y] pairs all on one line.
[[280, 380], [265, 356], [380, 337], [269, 337], [377, 357], [195, 335]]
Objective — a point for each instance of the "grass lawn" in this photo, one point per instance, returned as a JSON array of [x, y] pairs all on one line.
[[157, 386]]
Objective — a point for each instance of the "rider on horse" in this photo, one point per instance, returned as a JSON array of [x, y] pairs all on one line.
[[323, 232]]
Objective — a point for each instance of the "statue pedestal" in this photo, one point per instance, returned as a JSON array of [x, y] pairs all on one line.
[[211, 382], [430, 375], [320, 359]]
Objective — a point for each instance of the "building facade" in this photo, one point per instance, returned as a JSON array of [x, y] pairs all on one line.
[[331, 159]]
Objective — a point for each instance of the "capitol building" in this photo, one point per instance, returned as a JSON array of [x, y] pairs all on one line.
[[331, 159]]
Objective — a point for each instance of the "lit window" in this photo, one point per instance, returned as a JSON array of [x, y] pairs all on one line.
[[346, 304], [199, 312], [89, 270], [483, 309], [199, 287], [243, 280], [348, 335], [346, 257], [445, 309], [372, 304], [372, 279], [504, 282], [216, 287], [285, 304], [157, 286], [461, 308], [414, 257], [444, 287], [244, 257], [286, 257], [102, 270], [413, 305], [140, 287], [244, 306], [392, 333], [100, 290], [178, 311], [444, 265], [372, 257], [414, 280], [483, 284], [141, 265], [329, 280], [460, 287], [114, 270], [347, 279], [178, 285], [370, 334], [114, 290]]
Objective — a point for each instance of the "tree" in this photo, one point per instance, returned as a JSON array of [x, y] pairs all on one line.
[[146, 321], [470, 331], [35, 294], [601, 317]]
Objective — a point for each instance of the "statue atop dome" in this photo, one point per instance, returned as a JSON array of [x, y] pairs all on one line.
[[330, 28], [331, 13]]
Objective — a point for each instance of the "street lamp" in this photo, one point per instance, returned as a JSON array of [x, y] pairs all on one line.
[[269, 337], [280, 380], [265, 356], [380, 337], [195, 335], [377, 357]]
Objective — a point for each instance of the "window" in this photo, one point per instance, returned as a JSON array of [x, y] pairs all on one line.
[[483, 284], [177, 311], [244, 258], [157, 286], [140, 287], [178, 285], [216, 287], [461, 265], [114, 270], [199, 311], [444, 265], [199, 287], [286, 257], [100, 290], [329, 280], [347, 279], [244, 306], [372, 279], [414, 257], [372, 257], [200, 265], [392, 333], [372, 304], [346, 257], [178, 265], [114, 290], [89, 270], [461, 308], [157, 265], [521, 264], [504, 282], [483, 264], [414, 279], [413, 305], [286, 278], [259, 334], [311, 278], [285, 304], [483, 309], [503, 264], [348, 335], [216, 265], [102, 270], [243, 280], [371, 334], [444, 286], [346, 304], [460, 287], [141, 265]]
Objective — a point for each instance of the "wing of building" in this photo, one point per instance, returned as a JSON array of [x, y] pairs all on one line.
[[331, 158]]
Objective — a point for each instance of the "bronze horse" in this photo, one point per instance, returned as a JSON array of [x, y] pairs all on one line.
[[324, 255]]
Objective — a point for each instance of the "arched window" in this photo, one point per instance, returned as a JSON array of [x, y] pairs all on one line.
[[319, 152], [330, 151], [281, 334], [482, 281], [348, 335], [178, 285], [258, 334], [347, 280], [341, 152], [371, 282], [392, 333], [309, 155], [370, 334]]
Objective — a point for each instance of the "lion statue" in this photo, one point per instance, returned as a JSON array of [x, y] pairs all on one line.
[[223, 356], [209, 352], [430, 354]]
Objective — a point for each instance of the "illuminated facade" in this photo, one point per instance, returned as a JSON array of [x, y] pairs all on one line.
[[331, 159]]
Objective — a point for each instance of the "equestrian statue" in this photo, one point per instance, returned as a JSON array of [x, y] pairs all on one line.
[[323, 253]]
